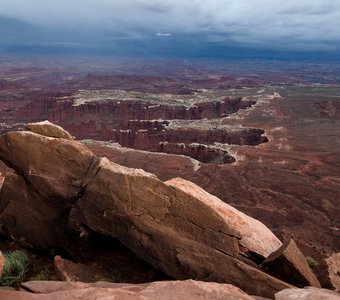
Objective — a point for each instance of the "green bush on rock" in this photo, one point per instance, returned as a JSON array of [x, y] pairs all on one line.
[[15, 267]]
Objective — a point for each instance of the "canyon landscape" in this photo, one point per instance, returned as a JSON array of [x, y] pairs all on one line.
[[169, 150], [141, 177]]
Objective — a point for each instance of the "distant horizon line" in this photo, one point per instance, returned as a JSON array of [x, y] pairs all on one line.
[[229, 53]]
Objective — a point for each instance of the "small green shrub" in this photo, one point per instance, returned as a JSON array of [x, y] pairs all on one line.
[[16, 265], [312, 263]]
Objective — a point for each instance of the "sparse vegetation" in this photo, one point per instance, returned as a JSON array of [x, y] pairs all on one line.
[[105, 278], [44, 275], [16, 265], [312, 263]]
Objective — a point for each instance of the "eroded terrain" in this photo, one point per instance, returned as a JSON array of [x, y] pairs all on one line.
[[266, 143]]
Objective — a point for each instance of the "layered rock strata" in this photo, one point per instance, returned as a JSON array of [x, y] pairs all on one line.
[[144, 124]]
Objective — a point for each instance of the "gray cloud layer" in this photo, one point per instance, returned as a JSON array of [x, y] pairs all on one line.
[[289, 23]]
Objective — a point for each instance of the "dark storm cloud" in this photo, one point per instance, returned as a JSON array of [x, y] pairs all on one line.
[[269, 23]]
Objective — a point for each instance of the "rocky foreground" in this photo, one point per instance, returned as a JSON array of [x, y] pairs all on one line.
[[60, 190]]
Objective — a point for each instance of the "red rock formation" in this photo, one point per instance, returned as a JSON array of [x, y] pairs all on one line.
[[125, 111], [140, 125], [180, 233], [289, 264], [328, 271]]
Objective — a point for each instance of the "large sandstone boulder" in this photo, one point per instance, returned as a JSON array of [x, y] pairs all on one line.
[[54, 167], [180, 230], [47, 128], [172, 230], [289, 264], [29, 218], [255, 236], [166, 290], [35, 203]]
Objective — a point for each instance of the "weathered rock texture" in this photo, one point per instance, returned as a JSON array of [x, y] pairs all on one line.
[[169, 228], [310, 293], [289, 264], [47, 128], [169, 290], [35, 203], [328, 272], [54, 167], [255, 236], [63, 185]]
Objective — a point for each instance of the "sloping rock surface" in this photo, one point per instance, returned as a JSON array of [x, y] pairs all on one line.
[[256, 237], [168, 228], [310, 293], [47, 128], [289, 264], [176, 231], [167, 290]]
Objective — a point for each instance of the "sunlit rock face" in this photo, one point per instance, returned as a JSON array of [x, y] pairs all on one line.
[[61, 186]]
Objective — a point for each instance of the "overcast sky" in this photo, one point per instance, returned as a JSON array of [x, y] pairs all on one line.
[[287, 24]]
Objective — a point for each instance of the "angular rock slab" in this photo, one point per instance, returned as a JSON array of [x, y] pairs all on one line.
[[289, 264], [310, 293], [255, 236], [130, 196], [166, 290], [172, 230]]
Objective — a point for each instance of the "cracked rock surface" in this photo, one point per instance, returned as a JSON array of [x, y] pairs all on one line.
[[175, 226]]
